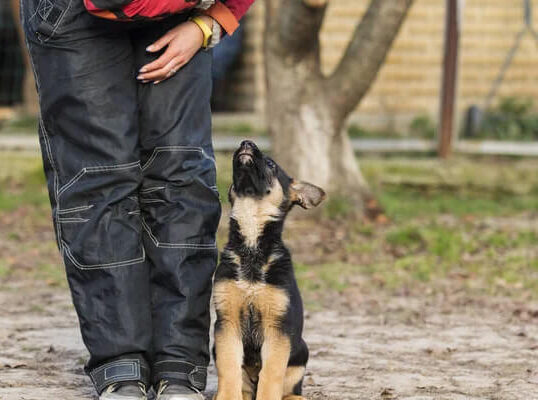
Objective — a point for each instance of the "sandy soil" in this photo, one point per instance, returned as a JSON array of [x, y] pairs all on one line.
[[388, 348]]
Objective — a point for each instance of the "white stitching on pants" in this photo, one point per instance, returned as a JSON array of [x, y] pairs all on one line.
[[75, 209], [98, 369], [72, 181], [148, 163], [65, 247], [72, 220], [43, 8], [157, 150], [132, 374], [83, 171], [149, 201], [59, 22], [152, 189], [175, 245], [112, 167], [116, 264], [31, 16], [46, 139]]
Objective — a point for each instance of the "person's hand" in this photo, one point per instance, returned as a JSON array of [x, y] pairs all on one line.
[[183, 42]]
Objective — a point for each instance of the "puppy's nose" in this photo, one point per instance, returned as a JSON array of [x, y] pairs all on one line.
[[248, 144]]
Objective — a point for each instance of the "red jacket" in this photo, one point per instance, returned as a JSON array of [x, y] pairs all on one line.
[[226, 12]]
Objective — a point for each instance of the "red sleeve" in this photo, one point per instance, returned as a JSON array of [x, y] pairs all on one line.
[[229, 14], [137, 8], [154, 8]]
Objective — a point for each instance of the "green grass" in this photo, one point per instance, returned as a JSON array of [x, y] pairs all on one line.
[[224, 175], [23, 124], [337, 206], [4, 270], [25, 186], [408, 236], [462, 222], [413, 188], [52, 274], [402, 204]]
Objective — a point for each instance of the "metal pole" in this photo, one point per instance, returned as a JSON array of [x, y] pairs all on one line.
[[450, 74]]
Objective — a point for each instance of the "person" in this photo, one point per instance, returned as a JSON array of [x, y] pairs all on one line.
[[125, 132]]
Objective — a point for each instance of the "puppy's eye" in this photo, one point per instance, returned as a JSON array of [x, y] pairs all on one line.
[[271, 164], [268, 191]]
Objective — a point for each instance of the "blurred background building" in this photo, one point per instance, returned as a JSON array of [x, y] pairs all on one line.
[[408, 84], [406, 92]]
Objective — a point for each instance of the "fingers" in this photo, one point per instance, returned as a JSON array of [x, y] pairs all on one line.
[[163, 73], [161, 43], [181, 44], [159, 63]]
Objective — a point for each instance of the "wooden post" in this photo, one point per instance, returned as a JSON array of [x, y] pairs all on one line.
[[450, 75]]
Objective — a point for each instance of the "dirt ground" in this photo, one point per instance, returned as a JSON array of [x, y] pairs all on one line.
[[388, 348], [426, 307]]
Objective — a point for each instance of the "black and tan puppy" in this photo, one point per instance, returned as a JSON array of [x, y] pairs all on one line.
[[259, 350]]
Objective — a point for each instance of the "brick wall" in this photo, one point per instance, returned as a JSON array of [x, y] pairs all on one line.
[[408, 84]]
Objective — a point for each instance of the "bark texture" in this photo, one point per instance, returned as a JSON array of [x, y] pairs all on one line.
[[306, 110]]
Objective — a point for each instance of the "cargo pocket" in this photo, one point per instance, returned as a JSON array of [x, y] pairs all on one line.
[[50, 14], [179, 199], [98, 217]]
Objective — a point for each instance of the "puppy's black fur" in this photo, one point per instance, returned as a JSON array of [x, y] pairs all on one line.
[[259, 350]]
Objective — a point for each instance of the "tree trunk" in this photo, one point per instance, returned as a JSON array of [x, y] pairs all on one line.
[[306, 111], [307, 137], [30, 104]]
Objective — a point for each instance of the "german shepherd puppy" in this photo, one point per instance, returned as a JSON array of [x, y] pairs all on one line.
[[259, 350]]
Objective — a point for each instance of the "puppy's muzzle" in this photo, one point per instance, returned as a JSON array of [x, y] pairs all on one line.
[[246, 152]]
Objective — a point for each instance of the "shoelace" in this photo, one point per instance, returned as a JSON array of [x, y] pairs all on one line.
[[162, 387], [163, 384], [115, 386]]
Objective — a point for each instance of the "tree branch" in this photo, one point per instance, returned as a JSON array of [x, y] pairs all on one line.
[[366, 53], [299, 25], [271, 9]]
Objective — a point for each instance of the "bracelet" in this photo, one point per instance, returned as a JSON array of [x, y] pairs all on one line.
[[206, 30]]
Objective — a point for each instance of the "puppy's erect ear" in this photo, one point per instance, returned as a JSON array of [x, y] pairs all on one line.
[[305, 194]]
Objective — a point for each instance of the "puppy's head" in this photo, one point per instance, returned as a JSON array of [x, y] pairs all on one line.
[[257, 177]]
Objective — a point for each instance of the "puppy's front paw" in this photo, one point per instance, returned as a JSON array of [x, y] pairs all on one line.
[[227, 396]]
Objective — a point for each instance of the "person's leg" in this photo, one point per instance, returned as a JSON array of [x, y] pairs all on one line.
[[89, 137], [180, 210]]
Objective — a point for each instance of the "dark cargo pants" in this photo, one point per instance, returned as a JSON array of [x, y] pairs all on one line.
[[131, 177]]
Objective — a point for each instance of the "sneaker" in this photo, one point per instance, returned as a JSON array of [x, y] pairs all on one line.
[[177, 392], [125, 391]]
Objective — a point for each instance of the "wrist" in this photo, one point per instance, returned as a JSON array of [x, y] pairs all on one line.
[[208, 20], [205, 24]]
